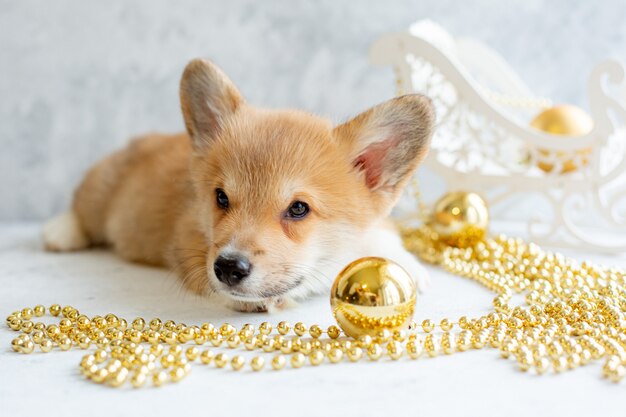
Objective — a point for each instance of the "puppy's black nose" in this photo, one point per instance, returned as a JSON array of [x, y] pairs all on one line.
[[231, 270]]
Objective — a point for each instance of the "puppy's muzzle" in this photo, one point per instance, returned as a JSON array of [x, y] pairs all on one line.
[[232, 269]]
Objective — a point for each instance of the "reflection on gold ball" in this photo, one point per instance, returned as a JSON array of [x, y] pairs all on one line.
[[460, 219], [564, 120], [372, 294]]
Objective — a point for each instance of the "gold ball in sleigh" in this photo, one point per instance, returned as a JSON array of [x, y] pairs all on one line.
[[372, 294], [564, 120]]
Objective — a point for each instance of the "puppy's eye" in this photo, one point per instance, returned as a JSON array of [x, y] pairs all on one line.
[[298, 210], [221, 198]]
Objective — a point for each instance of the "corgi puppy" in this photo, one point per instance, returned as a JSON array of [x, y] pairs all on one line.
[[260, 207]]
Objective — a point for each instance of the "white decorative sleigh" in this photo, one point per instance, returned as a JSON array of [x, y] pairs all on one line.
[[483, 141]]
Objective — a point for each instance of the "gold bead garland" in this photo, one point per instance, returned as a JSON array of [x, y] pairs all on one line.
[[573, 314], [155, 350]]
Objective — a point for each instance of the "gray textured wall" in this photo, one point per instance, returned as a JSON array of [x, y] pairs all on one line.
[[77, 78]]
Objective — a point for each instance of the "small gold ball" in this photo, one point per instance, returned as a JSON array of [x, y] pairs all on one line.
[[170, 337], [84, 342], [346, 345], [192, 353], [394, 350], [159, 378], [430, 346], [428, 325], [138, 380], [46, 345], [65, 343], [257, 363], [399, 335], [365, 340], [335, 355], [100, 355], [238, 362], [168, 360], [297, 360], [114, 366], [383, 336], [55, 309], [39, 310], [414, 349], [207, 357], [90, 370], [65, 324], [374, 352], [265, 328], [233, 341], [155, 324], [250, 343], [372, 294], [27, 326], [17, 344], [216, 339], [221, 359], [299, 329], [283, 327], [206, 328], [445, 325], [138, 323], [286, 346], [117, 379], [200, 339], [355, 354], [111, 320], [28, 347], [618, 374], [15, 324], [14, 321], [27, 313], [157, 349], [176, 350], [460, 219], [315, 331], [227, 329], [268, 345], [542, 365], [100, 375], [187, 334], [333, 332], [278, 362], [316, 357]]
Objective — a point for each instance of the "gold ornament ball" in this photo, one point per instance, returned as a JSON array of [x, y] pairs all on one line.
[[460, 219], [372, 294], [566, 120]]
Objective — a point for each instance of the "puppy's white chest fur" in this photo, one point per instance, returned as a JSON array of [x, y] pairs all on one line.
[[385, 243], [379, 241]]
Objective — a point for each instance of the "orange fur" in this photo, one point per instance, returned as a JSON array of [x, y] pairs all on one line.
[[154, 201]]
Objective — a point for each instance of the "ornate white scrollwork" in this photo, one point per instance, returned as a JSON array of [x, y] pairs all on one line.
[[481, 145]]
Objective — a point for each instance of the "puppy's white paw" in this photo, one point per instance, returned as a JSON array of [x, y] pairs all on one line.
[[64, 233], [248, 307], [271, 305]]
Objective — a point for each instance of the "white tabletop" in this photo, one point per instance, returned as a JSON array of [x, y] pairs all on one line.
[[97, 282]]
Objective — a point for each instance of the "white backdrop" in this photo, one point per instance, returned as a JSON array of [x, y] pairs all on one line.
[[78, 77]]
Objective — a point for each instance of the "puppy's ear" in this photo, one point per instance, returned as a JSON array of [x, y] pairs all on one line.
[[207, 97], [387, 142]]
